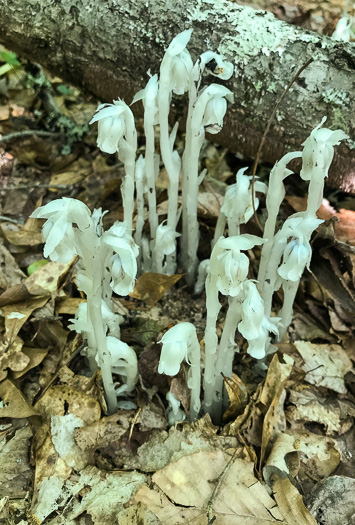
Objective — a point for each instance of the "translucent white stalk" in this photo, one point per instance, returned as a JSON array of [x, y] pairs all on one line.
[[149, 96], [174, 70], [226, 351], [140, 174], [274, 198], [290, 290], [205, 113], [127, 154]]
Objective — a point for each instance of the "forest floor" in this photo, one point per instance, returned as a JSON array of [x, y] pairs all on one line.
[[285, 452]]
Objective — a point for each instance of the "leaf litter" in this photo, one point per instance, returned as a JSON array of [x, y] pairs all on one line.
[[285, 435]]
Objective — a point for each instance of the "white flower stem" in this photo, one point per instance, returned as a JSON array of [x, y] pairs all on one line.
[[271, 273], [226, 351], [220, 227], [150, 175], [166, 148], [211, 343], [290, 290], [140, 208], [94, 301], [127, 154], [190, 186], [194, 377]]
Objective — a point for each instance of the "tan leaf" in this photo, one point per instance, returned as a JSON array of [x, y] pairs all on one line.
[[23, 237], [150, 287], [318, 454], [210, 485], [13, 403], [35, 357], [276, 377], [291, 504], [68, 305], [62, 399], [325, 365]]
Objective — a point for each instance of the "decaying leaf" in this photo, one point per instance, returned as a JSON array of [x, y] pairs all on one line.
[[290, 503], [318, 454], [213, 487], [23, 237], [276, 377], [238, 396], [150, 287], [310, 406], [99, 494], [13, 403], [42, 283], [15, 473], [325, 365]]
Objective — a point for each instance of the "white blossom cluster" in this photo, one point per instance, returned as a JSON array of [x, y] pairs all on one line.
[[109, 260]]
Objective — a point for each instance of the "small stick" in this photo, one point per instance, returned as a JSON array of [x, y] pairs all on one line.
[[309, 61]]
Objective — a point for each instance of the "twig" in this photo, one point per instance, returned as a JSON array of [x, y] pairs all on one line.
[[209, 509], [28, 133], [34, 186], [267, 131], [14, 221]]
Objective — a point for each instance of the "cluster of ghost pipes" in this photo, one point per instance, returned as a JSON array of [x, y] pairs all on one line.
[[109, 261]]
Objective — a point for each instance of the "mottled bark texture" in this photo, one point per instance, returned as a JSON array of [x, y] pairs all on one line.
[[107, 46]]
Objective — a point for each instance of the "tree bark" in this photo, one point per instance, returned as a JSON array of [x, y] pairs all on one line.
[[107, 46]]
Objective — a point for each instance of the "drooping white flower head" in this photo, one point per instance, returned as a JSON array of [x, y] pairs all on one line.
[[82, 325], [124, 264], [210, 108], [228, 265], [59, 232], [252, 312], [238, 202], [174, 412], [298, 252], [176, 342], [318, 151], [165, 239], [112, 125], [216, 65], [177, 63], [124, 363], [260, 346], [149, 97], [296, 257]]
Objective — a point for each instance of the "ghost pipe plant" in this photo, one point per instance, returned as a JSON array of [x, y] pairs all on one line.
[[237, 207], [180, 343], [107, 262], [227, 273], [117, 133], [206, 113]]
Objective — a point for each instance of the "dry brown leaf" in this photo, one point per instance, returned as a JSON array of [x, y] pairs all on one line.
[[238, 396], [62, 399], [15, 472], [325, 365], [276, 377], [23, 237], [310, 406], [210, 485], [43, 283], [13, 404], [150, 287], [10, 273], [68, 305], [35, 356], [291, 504], [317, 453]]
